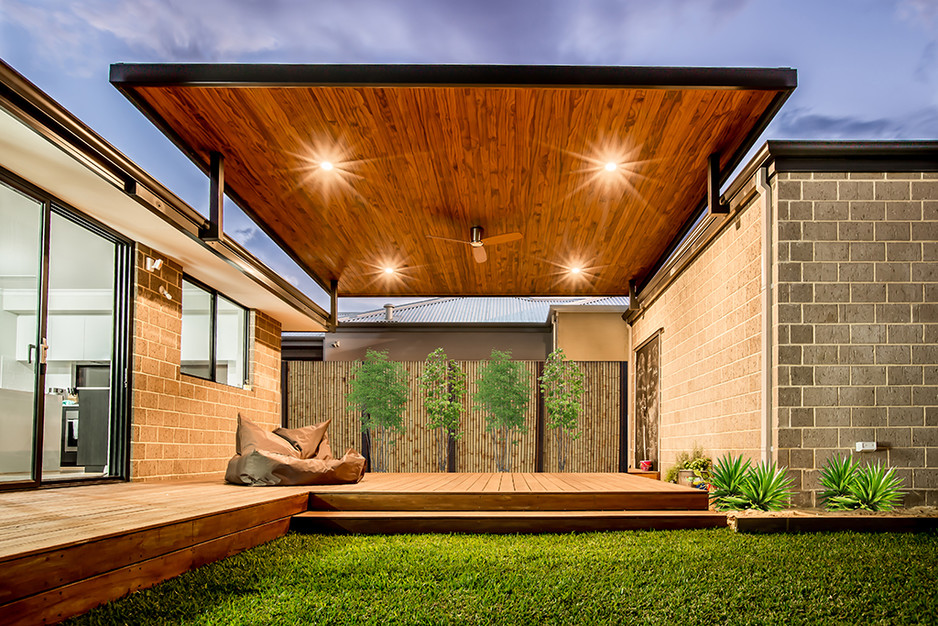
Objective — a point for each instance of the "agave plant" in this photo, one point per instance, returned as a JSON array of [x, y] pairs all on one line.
[[837, 478], [767, 488], [874, 488], [727, 477]]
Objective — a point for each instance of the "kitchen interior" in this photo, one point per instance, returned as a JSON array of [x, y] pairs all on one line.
[[75, 408]]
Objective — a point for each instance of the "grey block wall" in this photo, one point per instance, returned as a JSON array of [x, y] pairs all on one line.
[[856, 324]]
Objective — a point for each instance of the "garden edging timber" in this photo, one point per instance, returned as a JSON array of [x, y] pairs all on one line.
[[916, 519]]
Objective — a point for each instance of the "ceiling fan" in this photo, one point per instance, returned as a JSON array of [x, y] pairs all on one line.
[[478, 243]]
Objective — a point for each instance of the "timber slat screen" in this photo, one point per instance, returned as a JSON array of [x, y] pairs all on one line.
[[317, 390]]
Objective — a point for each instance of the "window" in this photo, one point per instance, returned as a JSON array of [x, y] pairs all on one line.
[[214, 336]]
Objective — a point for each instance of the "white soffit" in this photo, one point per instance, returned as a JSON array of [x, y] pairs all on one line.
[[34, 158]]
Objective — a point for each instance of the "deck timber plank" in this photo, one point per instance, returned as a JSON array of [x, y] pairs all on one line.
[[478, 483], [521, 482]]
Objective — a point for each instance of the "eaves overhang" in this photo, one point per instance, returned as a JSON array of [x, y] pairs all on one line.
[[46, 117]]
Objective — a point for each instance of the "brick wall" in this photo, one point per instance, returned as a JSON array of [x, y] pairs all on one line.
[[711, 346], [857, 324], [184, 426]]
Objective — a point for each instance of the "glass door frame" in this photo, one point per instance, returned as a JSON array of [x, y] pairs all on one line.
[[121, 346]]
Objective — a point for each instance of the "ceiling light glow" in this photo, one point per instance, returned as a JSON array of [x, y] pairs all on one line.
[[326, 166], [575, 270], [389, 270], [611, 166]]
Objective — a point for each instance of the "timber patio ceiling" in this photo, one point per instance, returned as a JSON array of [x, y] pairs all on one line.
[[421, 151]]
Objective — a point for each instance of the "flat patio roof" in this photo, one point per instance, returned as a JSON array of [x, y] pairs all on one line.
[[598, 168]]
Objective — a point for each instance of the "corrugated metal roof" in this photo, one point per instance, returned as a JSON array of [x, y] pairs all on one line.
[[477, 310]]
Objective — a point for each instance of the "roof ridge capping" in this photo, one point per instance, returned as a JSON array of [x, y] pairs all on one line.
[[293, 74]]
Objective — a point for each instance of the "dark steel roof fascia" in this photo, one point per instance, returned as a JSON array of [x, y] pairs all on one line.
[[858, 156], [221, 74]]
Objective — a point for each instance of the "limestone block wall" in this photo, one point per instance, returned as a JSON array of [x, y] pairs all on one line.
[[182, 426], [857, 324], [710, 317]]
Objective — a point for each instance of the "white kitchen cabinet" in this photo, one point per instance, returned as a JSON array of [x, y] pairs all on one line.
[[70, 337], [98, 338]]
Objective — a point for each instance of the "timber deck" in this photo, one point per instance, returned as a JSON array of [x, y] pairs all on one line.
[[64, 551]]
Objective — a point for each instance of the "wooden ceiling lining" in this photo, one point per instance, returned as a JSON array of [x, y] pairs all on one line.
[[437, 160]]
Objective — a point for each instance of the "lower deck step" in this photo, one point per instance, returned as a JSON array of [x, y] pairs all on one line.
[[399, 522], [655, 498]]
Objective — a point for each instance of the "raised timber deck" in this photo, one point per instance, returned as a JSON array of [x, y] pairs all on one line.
[[507, 492], [505, 503], [65, 551]]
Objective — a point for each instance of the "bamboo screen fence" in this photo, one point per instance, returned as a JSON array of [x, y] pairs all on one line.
[[317, 390]]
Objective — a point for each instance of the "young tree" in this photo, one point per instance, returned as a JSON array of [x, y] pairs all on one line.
[[379, 391], [445, 386], [562, 387], [502, 392]]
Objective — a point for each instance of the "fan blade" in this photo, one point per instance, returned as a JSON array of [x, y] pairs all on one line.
[[479, 254], [497, 239], [448, 239]]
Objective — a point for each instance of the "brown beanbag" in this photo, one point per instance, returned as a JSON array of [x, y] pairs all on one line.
[[261, 468], [297, 456]]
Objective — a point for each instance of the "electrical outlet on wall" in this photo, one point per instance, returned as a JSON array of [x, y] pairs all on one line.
[[866, 446]]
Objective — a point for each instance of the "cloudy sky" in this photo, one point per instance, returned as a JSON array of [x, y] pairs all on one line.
[[867, 69]]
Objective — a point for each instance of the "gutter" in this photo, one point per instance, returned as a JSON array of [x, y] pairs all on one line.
[[409, 327], [765, 192]]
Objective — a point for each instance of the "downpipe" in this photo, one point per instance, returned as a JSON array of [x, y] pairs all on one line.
[[765, 193]]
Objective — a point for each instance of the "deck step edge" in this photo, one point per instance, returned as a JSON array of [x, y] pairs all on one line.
[[503, 513]]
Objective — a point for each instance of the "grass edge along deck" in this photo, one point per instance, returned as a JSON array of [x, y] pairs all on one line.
[[65, 551]]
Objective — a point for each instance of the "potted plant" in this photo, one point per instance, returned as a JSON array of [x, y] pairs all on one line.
[[690, 468]]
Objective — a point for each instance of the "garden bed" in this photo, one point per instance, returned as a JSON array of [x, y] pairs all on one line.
[[912, 519]]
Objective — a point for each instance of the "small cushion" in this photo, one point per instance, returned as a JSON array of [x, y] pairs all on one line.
[[250, 437], [307, 439]]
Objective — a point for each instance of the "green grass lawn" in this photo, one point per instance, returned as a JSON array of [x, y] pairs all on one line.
[[677, 577]]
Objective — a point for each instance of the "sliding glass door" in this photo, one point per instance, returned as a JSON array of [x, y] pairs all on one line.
[[64, 333], [21, 350], [80, 331]]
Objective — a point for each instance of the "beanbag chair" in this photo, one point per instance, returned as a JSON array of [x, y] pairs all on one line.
[[290, 456]]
